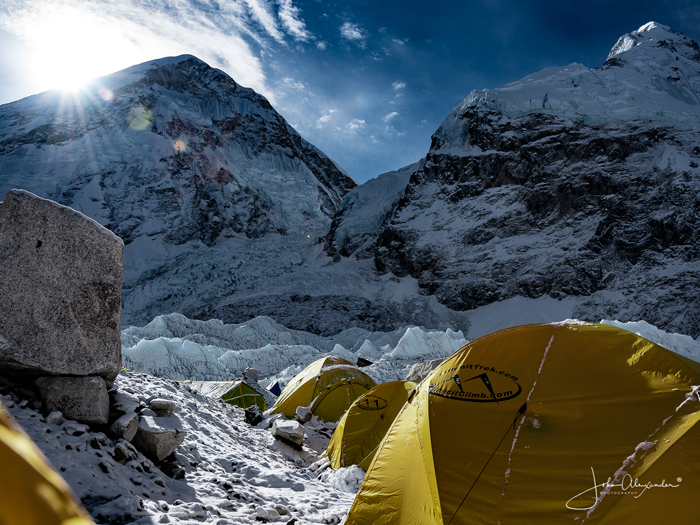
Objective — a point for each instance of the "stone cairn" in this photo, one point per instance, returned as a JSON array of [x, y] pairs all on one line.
[[60, 313]]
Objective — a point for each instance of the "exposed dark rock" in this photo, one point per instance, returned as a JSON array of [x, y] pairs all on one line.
[[84, 399], [253, 415]]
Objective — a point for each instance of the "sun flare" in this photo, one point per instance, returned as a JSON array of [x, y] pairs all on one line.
[[71, 47]]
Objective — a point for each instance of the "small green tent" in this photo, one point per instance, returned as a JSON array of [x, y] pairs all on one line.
[[242, 395], [363, 427], [328, 386]]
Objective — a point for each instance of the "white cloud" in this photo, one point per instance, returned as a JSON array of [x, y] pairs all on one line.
[[321, 45], [320, 122], [259, 11], [354, 33], [91, 38], [355, 125], [294, 84], [390, 116], [398, 42], [289, 16], [398, 86], [326, 118]]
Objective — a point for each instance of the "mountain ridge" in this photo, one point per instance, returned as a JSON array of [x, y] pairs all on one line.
[[572, 187], [521, 195]]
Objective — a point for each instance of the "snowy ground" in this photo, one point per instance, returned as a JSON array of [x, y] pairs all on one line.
[[234, 473]]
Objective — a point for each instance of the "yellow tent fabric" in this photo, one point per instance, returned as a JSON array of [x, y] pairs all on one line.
[[31, 492], [550, 423], [244, 396], [328, 386], [363, 427]]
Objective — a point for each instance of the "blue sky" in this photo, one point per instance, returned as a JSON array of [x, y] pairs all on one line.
[[368, 82]]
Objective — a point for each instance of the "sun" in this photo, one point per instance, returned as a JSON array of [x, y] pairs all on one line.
[[73, 46]]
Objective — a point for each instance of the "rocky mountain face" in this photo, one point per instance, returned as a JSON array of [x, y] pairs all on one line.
[[573, 183], [182, 163]]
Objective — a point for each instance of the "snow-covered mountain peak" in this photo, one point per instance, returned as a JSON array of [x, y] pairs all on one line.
[[656, 50], [186, 166], [655, 36], [134, 73], [652, 74]]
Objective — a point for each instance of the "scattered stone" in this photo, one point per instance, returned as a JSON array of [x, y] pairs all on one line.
[[25, 393], [420, 371], [251, 373], [123, 401], [123, 452], [70, 268], [362, 362], [182, 459], [158, 437], [289, 431], [75, 429], [253, 415], [303, 414], [125, 427], [55, 418], [162, 407], [266, 514], [4, 383], [84, 399], [173, 470]]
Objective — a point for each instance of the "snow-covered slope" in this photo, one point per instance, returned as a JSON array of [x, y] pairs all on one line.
[[365, 210], [224, 209], [578, 185], [235, 474]]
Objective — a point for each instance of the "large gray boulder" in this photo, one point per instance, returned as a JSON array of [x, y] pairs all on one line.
[[84, 399], [60, 290]]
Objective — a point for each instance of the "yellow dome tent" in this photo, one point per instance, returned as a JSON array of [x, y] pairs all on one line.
[[328, 385], [363, 427], [541, 424], [31, 492]]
